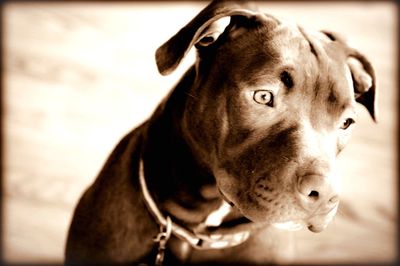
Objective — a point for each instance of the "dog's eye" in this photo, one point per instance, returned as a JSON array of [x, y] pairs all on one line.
[[286, 78], [347, 123], [264, 97]]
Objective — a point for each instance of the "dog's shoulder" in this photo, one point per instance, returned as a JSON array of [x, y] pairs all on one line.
[[108, 203]]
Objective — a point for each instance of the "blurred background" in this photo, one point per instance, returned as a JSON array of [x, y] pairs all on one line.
[[78, 76]]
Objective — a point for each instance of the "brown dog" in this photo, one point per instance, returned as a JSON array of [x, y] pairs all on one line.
[[247, 139]]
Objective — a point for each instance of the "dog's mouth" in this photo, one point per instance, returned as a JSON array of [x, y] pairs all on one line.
[[236, 221], [315, 224]]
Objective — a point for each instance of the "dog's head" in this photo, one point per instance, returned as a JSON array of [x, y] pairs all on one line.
[[271, 107]]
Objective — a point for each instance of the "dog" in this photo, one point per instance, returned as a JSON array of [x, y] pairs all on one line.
[[246, 141]]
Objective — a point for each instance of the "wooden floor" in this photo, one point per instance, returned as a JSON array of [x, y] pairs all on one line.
[[78, 76]]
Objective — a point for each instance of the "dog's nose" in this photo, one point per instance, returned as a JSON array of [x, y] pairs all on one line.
[[317, 190]]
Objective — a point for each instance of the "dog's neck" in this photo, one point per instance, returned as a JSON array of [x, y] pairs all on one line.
[[180, 185]]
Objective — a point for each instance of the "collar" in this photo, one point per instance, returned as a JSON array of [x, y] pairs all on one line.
[[197, 241]]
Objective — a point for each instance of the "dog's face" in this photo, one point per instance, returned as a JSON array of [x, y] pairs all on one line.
[[277, 105]]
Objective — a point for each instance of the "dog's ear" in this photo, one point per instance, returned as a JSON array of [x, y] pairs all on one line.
[[203, 30], [364, 82]]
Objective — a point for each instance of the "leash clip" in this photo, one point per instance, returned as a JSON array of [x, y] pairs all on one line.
[[162, 239]]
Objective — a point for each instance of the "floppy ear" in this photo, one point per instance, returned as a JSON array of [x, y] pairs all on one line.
[[364, 82], [203, 30]]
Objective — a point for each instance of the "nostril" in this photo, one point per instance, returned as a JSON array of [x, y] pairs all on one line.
[[313, 194]]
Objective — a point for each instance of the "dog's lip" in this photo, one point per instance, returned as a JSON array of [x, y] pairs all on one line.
[[236, 225], [317, 228], [290, 225], [233, 223], [297, 225], [316, 223], [225, 198]]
